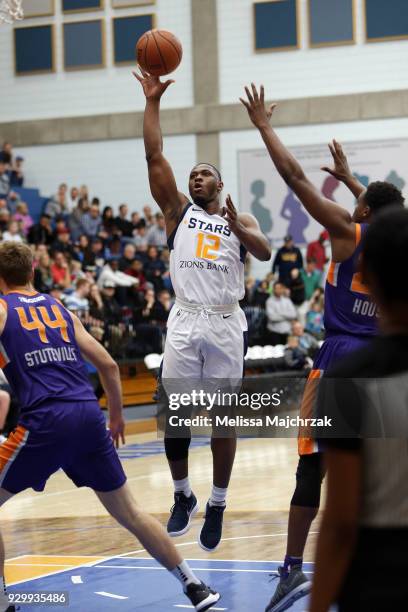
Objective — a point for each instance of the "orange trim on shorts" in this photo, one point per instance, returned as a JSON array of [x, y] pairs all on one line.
[[358, 234], [3, 361], [11, 446], [330, 274], [307, 445]]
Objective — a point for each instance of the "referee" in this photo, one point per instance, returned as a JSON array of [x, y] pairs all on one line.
[[362, 549]]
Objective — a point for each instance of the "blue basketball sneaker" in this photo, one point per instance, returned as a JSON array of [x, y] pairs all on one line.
[[182, 512], [292, 586], [211, 532]]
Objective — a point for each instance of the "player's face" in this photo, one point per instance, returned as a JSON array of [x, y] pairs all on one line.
[[361, 211], [204, 185]]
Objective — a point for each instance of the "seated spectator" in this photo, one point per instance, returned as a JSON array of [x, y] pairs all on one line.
[[16, 174], [91, 221], [112, 316], [76, 271], [148, 216], [140, 240], [111, 273], [136, 220], [250, 286], [5, 218], [78, 300], [287, 258], [75, 218], [311, 278], [63, 243], [12, 233], [314, 320], [41, 232], [4, 180], [261, 294], [280, 311], [122, 223], [57, 205], [136, 270], [161, 308], [60, 271], [73, 198], [43, 280], [84, 192], [316, 251], [154, 268], [296, 287], [157, 234], [306, 340], [128, 256], [108, 227], [6, 153], [114, 248], [98, 254], [96, 307], [23, 216], [294, 357]]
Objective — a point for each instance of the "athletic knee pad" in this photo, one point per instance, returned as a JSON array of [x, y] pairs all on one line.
[[177, 448], [309, 477]]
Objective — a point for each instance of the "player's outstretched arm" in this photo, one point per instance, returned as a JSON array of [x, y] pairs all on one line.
[[162, 182], [333, 217], [341, 170], [108, 371], [247, 229]]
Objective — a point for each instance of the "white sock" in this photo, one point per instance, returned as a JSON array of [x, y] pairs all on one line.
[[184, 574], [182, 485], [218, 496], [4, 602]]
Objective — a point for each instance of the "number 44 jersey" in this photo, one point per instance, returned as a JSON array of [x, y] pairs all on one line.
[[38, 351], [206, 259]]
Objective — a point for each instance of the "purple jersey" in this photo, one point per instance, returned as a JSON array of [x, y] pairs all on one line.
[[39, 353], [348, 308]]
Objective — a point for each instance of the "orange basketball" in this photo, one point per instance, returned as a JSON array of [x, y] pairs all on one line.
[[159, 52]]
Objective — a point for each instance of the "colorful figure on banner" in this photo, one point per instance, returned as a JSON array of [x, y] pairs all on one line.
[[262, 214], [396, 180], [298, 219], [329, 186]]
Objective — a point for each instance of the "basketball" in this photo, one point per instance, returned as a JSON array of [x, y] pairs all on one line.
[[159, 52]]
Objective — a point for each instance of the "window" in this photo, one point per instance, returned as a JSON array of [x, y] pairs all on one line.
[[276, 25]]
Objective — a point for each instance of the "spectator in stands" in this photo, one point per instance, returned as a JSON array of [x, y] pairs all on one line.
[[57, 205], [91, 221], [73, 198], [262, 293], [316, 251], [4, 180], [17, 174], [311, 278], [136, 270], [12, 233], [140, 240], [280, 312], [42, 274], [314, 316], [306, 340], [154, 268], [96, 307], [60, 271], [23, 217], [148, 334], [111, 274], [128, 256], [112, 316], [136, 220], [76, 271], [148, 216], [84, 193], [41, 232], [250, 288], [122, 223], [161, 308], [75, 218], [4, 219], [108, 222], [294, 356], [157, 233], [78, 300], [63, 244], [98, 254], [296, 287], [286, 259], [6, 154]]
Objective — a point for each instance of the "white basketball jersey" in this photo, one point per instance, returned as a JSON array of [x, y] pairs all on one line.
[[206, 259]]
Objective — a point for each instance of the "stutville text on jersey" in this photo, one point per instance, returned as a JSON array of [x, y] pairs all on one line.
[[51, 355], [203, 265]]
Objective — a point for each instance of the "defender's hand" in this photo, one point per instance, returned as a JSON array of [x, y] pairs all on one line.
[[117, 429], [255, 105], [153, 87], [341, 170]]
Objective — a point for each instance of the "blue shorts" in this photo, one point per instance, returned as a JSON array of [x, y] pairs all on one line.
[[67, 435]]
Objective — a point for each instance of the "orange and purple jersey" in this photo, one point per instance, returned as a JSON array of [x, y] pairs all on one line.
[[38, 351], [348, 308]]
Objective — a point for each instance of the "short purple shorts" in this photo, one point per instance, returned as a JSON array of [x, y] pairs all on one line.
[[67, 435]]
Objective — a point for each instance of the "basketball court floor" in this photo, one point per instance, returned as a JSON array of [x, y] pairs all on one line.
[[63, 540]]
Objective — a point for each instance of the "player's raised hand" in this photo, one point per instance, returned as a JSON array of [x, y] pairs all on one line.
[[230, 214], [117, 429], [341, 169], [153, 87], [258, 113]]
